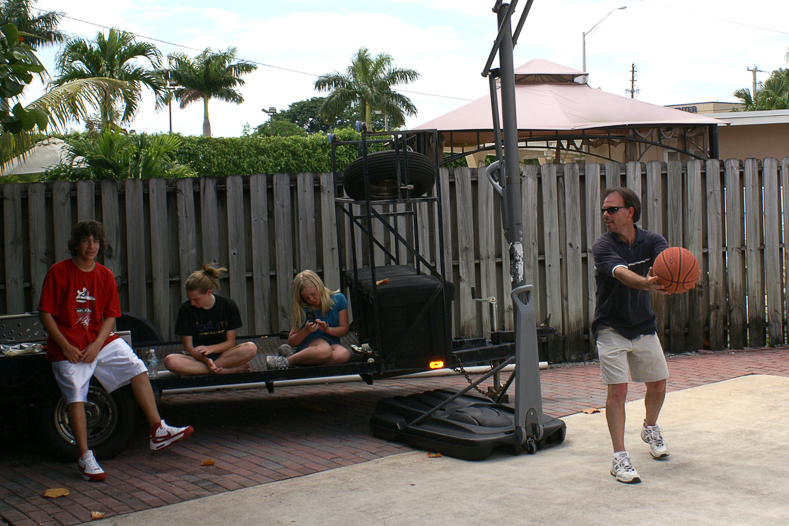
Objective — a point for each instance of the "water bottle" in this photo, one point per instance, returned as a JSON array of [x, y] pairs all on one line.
[[153, 365]]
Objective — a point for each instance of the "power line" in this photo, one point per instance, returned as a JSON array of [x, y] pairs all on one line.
[[249, 61]]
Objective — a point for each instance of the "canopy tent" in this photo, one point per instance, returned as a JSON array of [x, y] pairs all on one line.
[[44, 155], [557, 109]]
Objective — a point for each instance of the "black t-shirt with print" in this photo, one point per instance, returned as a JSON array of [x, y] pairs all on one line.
[[208, 326]]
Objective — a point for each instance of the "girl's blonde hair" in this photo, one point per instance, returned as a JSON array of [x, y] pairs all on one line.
[[309, 280], [204, 280]]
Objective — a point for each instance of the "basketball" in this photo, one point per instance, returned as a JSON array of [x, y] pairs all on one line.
[[676, 269]]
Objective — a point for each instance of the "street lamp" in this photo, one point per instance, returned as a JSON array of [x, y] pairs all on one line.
[[589, 33]]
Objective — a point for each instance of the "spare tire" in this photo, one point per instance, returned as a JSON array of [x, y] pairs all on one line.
[[382, 170]]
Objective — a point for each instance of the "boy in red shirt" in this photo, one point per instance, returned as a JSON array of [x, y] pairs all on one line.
[[78, 307]]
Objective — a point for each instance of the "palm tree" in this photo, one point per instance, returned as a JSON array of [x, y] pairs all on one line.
[[54, 109], [367, 84], [38, 31], [113, 56], [210, 75], [772, 95]]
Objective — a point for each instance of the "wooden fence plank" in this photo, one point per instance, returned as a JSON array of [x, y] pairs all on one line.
[[331, 257], [111, 219], [654, 205], [446, 231], [784, 179], [531, 242], [677, 303], [753, 254], [553, 277], [261, 271], [487, 257], [378, 234], [187, 231], [613, 174], [86, 201], [715, 282], [14, 249], [735, 260], [61, 218], [308, 244], [423, 229], [772, 252], [633, 177], [283, 225], [594, 228], [160, 255], [422, 211], [698, 304], [573, 294], [236, 249], [209, 222], [135, 247], [465, 222], [39, 256]]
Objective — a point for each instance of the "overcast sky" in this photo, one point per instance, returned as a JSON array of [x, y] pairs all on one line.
[[685, 51]]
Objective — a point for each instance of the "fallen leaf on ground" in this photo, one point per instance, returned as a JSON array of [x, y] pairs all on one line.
[[434, 455], [382, 281], [94, 515], [207, 462], [591, 411], [53, 493]]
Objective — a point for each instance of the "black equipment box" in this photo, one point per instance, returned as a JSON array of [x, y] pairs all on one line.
[[414, 313]]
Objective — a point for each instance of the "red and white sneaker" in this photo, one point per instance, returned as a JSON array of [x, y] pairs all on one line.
[[164, 436], [89, 468]]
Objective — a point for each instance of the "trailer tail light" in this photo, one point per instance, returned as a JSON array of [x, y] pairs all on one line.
[[436, 364]]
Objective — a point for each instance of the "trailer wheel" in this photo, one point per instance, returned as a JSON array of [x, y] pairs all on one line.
[[382, 169], [112, 420]]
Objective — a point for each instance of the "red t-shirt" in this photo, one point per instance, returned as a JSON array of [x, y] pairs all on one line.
[[79, 301]]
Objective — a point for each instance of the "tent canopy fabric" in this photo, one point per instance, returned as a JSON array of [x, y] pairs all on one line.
[[44, 155], [554, 101]]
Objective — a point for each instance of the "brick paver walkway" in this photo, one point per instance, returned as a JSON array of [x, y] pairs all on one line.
[[255, 437]]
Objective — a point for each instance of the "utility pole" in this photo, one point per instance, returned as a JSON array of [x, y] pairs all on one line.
[[632, 89], [755, 70]]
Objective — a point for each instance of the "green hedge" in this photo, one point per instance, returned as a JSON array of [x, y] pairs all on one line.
[[220, 157]]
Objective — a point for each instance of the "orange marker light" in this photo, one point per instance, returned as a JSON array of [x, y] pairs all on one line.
[[438, 364]]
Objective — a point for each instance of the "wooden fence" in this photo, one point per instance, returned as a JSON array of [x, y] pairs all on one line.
[[264, 228]]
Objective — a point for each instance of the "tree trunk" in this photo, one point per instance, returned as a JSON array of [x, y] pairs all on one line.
[[206, 122]]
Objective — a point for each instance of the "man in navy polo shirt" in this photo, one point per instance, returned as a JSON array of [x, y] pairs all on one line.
[[624, 324]]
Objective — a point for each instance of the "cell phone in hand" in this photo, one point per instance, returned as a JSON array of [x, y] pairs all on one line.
[[310, 317]]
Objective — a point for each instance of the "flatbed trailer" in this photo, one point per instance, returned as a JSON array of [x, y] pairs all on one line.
[[26, 381]]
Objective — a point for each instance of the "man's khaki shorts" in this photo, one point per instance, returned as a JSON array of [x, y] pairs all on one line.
[[642, 356]]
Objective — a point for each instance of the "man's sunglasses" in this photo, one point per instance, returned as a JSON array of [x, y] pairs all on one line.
[[612, 209]]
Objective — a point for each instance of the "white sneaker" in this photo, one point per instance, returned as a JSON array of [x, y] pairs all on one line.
[[89, 468], [165, 436], [653, 436], [276, 362], [623, 470]]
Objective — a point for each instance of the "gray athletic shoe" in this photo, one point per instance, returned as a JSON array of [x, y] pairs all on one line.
[[623, 470], [285, 350], [276, 362], [653, 436]]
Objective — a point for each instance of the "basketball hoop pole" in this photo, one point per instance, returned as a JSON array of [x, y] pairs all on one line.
[[507, 182], [529, 421]]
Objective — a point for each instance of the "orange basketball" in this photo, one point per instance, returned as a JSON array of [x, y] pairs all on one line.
[[677, 269]]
